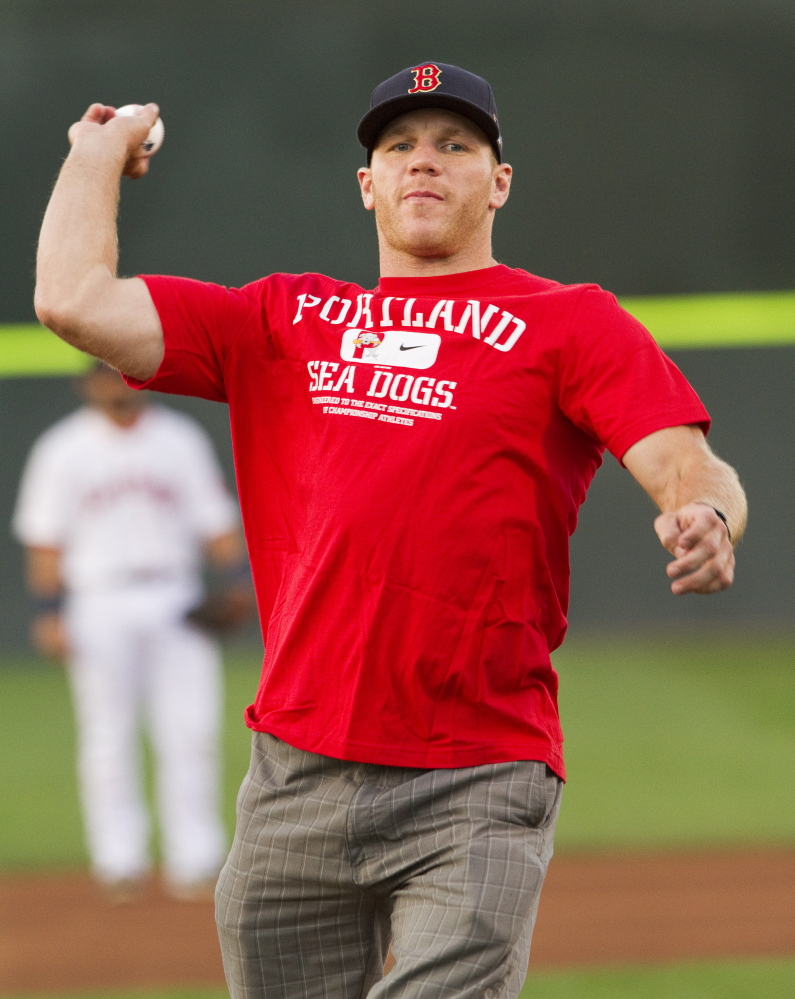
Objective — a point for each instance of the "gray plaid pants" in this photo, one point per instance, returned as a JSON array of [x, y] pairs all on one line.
[[333, 860]]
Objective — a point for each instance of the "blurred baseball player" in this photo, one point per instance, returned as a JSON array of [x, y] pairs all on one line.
[[410, 462], [117, 503]]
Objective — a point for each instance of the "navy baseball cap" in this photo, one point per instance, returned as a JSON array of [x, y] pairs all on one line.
[[432, 85]]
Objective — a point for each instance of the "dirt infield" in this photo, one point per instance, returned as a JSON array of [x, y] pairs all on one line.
[[59, 933]]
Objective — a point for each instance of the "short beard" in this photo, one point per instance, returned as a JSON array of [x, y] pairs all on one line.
[[439, 242]]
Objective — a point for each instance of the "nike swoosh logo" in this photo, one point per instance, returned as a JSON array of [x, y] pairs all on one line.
[[413, 347]]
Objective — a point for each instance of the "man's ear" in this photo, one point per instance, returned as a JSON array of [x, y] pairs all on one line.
[[500, 185], [365, 177]]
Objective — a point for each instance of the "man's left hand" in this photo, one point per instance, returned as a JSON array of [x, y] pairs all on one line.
[[224, 611], [49, 636], [699, 541]]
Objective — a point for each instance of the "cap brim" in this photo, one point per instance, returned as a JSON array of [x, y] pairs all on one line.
[[377, 118]]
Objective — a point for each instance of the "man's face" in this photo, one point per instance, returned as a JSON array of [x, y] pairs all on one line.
[[107, 392], [434, 183]]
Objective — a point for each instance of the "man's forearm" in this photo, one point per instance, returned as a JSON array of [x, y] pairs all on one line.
[[45, 583], [709, 480], [78, 295], [676, 466], [78, 244], [43, 571], [679, 471]]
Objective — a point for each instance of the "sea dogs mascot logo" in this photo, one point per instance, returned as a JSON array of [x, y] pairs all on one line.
[[366, 342], [403, 349], [426, 78]]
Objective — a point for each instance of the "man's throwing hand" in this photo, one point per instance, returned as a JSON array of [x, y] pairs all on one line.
[[699, 541], [123, 135]]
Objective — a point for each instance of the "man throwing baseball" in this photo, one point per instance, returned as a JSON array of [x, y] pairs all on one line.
[[411, 460]]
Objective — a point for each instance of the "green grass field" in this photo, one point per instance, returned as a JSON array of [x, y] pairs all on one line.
[[729, 980], [676, 743], [671, 743]]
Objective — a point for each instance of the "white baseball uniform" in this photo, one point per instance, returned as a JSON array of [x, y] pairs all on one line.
[[130, 509]]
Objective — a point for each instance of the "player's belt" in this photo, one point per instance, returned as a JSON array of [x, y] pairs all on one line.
[[135, 576]]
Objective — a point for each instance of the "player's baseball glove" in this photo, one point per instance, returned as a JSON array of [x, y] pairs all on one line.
[[223, 611]]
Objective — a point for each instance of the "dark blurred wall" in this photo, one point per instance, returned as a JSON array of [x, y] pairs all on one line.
[[652, 139], [652, 143]]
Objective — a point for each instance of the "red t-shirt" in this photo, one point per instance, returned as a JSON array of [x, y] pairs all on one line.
[[410, 465]]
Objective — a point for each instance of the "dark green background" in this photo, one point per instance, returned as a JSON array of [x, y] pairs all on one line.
[[653, 146]]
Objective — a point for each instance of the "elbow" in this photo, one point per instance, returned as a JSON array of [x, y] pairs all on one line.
[[55, 313], [47, 310], [70, 309]]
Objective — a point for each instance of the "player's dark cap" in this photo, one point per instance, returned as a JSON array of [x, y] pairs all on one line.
[[432, 85]]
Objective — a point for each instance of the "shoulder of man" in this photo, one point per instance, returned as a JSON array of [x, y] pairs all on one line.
[[172, 422], [308, 283], [76, 426]]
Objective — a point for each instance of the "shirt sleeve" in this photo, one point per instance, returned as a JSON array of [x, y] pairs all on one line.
[[615, 382], [201, 322], [41, 515], [212, 510]]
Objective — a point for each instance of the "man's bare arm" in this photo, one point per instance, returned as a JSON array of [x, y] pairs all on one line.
[[688, 482], [78, 295], [43, 578], [43, 571]]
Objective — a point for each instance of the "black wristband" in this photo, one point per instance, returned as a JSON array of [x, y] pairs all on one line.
[[722, 516], [237, 574], [48, 605]]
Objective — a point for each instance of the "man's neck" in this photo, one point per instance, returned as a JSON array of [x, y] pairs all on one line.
[[126, 422], [396, 263]]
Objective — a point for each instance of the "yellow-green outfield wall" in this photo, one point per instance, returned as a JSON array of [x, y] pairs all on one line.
[[677, 322]]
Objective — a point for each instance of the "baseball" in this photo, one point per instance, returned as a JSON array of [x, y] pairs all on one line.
[[154, 140]]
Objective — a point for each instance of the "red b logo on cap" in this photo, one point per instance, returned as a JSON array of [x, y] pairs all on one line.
[[426, 78]]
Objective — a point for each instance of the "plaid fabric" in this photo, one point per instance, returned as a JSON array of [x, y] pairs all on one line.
[[333, 860]]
